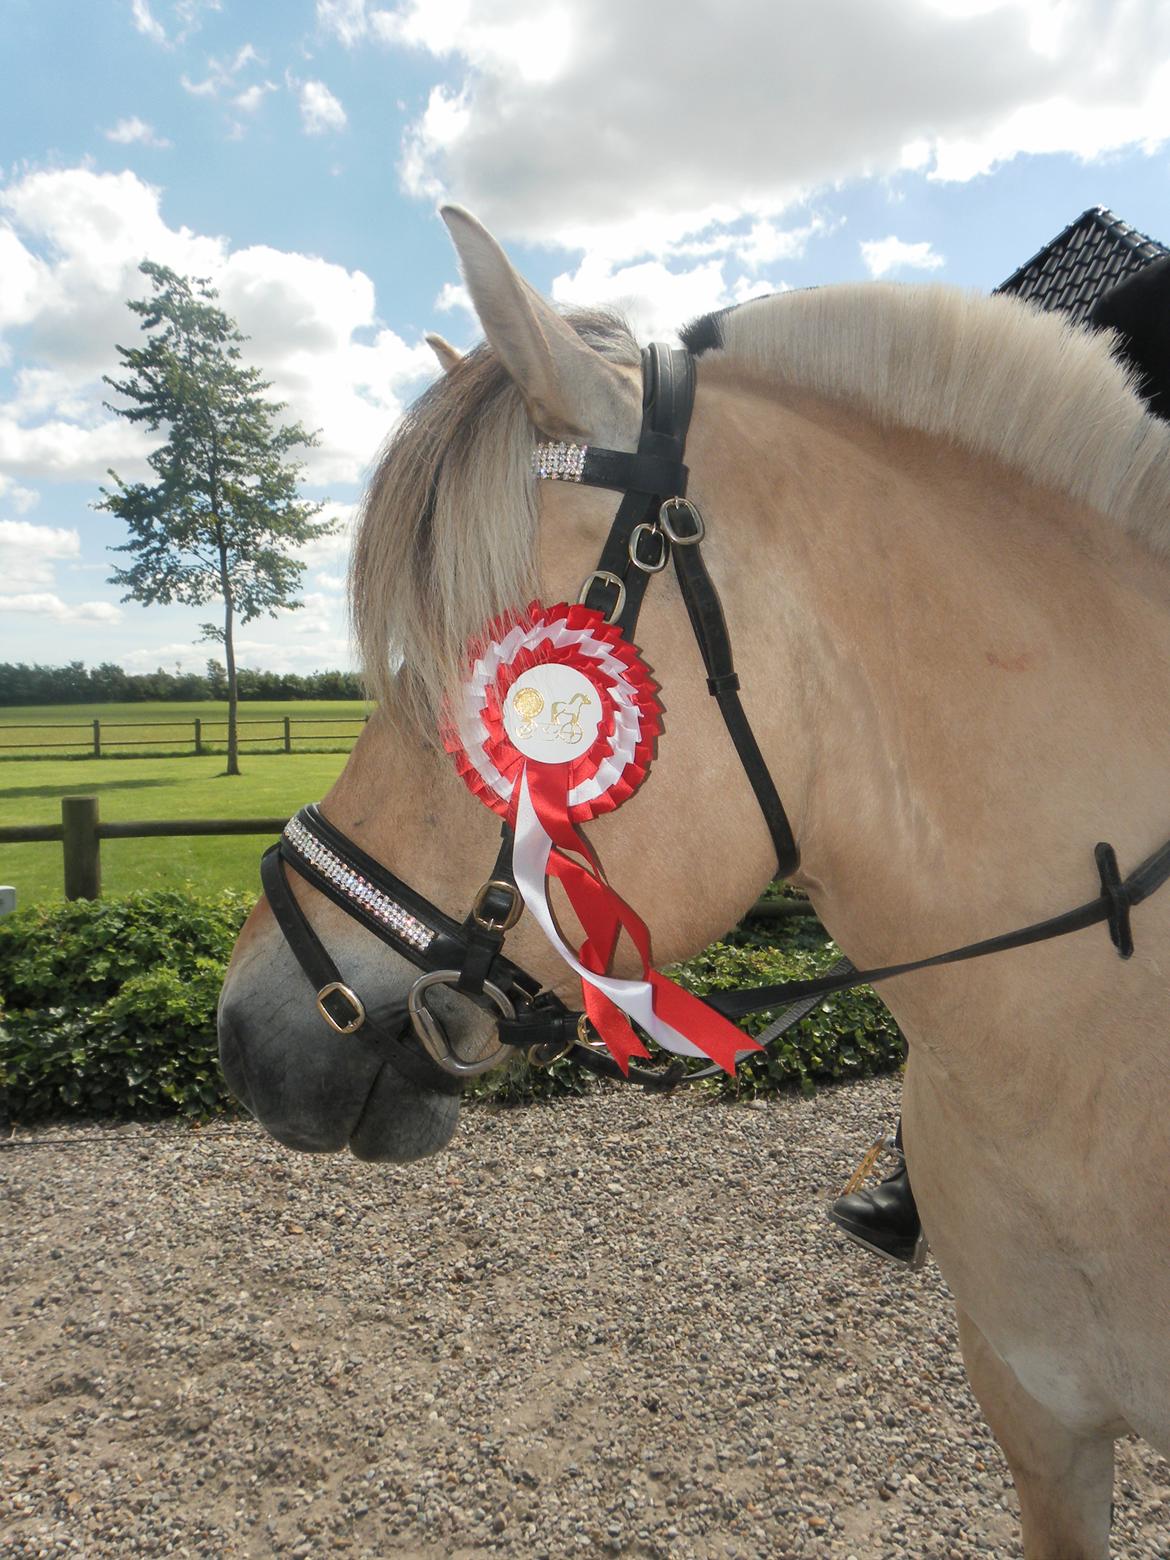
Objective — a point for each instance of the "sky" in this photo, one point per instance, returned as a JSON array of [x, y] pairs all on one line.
[[663, 158]]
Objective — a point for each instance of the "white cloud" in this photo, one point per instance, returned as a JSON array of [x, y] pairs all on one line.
[[188, 15], [453, 295], [320, 110], [222, 77], [29, 553], [206, 88], [135, 131], [21, 499], [69, 254], [45, 604], [654, 299], [765, 242], [883, 255], [181, 654], [564, 141], [145, 22], [345, 19], [250, 99]]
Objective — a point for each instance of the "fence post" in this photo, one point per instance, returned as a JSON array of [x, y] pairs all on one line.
[[79, 836], [198, 737], [287, 735], [97, 739]]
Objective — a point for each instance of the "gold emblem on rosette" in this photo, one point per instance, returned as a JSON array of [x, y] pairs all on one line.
[[528, 703]]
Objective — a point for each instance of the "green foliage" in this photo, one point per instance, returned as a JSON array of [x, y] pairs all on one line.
[[220, 522], [223, 519], [21, 684], [109, 1007]]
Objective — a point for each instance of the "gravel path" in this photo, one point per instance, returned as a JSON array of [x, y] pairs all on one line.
[[615, 1325]]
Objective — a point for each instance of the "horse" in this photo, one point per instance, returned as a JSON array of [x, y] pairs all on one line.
[[940, 526]]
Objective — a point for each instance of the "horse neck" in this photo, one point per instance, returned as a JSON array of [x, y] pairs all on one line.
[[965, 678]]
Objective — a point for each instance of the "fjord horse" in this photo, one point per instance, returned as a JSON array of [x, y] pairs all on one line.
[[940, 526]]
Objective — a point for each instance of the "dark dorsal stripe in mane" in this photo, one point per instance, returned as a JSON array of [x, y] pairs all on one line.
[[704, 334]]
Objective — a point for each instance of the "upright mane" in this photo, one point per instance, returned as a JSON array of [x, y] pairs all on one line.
[[991, 374], [447, 535], [446, 540]]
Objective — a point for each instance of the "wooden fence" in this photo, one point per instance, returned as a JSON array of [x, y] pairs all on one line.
[[197, 733], [81, 833]]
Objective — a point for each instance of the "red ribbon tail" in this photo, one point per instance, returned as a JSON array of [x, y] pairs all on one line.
[[612, 1025], [715, 1035]]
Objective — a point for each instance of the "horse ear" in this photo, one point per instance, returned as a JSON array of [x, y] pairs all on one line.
[[447, 355], [570, 390]]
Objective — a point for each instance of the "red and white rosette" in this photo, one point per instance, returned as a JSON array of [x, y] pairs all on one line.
[[557, 724]]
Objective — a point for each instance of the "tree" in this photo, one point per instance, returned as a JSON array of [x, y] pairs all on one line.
[[224, 513]]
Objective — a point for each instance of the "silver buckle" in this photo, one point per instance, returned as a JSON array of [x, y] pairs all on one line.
[[607, 578], [428, 1029], [351, 997], [663, 548], [691, 537]]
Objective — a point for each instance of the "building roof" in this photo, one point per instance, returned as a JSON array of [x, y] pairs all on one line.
[[1092, 255]]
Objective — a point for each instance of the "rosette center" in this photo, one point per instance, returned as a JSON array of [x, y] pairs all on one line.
[[552, 713]]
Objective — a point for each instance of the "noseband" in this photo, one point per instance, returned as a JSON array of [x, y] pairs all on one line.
[[655, 524]]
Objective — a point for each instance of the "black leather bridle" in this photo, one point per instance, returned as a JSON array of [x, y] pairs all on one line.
[[655, 524]]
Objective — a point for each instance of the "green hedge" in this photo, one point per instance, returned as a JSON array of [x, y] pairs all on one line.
[[108, 1008]]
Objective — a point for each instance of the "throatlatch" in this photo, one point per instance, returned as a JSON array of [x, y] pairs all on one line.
[[555, 728]]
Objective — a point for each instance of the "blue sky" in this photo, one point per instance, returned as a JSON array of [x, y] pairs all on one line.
[[295, 153]]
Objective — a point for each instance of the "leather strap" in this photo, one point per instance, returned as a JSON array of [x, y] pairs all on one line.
[[407, 1054], [656, 468], [448, 947], [668, 380], [1112, 906], [705, 611]]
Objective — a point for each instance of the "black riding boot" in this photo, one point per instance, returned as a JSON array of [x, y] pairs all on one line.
[[884, 1218]]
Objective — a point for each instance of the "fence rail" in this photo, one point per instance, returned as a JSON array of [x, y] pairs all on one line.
[[199, 728], [81, 833]]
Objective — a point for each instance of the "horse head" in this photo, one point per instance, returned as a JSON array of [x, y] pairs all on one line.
[[455, 531]]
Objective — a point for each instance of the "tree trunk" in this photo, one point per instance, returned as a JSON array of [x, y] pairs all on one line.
[[229, 652]]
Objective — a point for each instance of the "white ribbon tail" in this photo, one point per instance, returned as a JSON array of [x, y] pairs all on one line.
[[530, 867]]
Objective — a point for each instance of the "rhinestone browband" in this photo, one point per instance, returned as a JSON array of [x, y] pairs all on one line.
[[373, 900], [559, 462]]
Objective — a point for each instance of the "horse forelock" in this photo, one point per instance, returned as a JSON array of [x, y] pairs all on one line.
[[990, 374], [446, 539]]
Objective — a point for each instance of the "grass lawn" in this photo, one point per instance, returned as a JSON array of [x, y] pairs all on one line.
[[273, 784], [56, 731]]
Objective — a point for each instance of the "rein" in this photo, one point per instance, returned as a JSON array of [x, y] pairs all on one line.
[[655, 524]]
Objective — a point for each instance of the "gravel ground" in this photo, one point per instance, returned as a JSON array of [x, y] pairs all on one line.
[[615, 1325]]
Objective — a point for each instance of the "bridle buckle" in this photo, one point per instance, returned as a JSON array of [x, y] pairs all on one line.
[[646, 528], [687, 538], [494, 923], [615, 581], [355, 1002]]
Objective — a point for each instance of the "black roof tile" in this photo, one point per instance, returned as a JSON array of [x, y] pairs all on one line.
[[1092, 255]]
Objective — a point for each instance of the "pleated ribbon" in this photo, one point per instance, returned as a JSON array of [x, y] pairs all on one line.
[[543, 802]]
